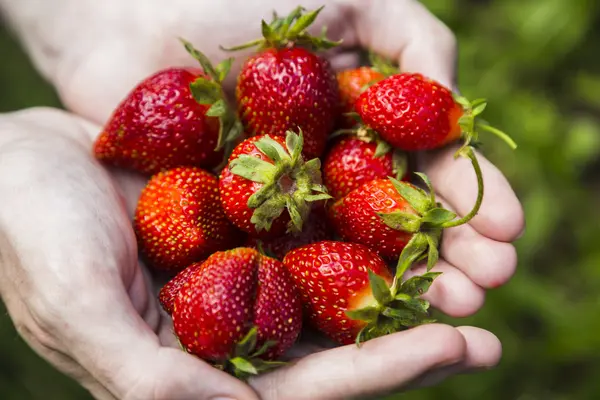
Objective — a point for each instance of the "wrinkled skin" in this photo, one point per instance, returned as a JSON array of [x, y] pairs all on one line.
[[65, 229]]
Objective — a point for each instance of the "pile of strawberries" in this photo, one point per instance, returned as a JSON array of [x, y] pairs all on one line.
[[294, 208]]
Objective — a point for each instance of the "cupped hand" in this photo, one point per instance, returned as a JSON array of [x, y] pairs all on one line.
[[92, 313]]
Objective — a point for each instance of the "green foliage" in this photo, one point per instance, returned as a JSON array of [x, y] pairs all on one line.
[[537, 63]]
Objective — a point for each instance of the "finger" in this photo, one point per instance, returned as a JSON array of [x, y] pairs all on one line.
[[453, 293], [485, 261], [379, 366], [483, 352], [42, 345], [501, 215], [406, 31], [129, 182], [124, 354], [484, 349]]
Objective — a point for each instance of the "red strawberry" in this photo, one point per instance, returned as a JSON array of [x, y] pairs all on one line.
[[175, 117], [237, 302], [316, 229], [266, 185], [179, 219], [397, 219], [356, 217], [169, 291], [286, 86], [352, 82], [413, 112], [350, 295], [353, 161]]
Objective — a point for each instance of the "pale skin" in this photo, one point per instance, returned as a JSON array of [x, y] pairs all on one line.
[[69, 272]]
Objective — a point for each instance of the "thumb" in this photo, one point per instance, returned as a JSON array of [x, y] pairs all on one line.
[[117, 347], [405, 31]]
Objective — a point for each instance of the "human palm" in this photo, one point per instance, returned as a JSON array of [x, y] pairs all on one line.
[[120, 344]]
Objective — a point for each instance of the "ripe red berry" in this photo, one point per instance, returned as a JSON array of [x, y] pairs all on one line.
[[179, 219]]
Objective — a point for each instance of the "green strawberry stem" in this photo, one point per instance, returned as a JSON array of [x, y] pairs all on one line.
[[469, 121], [470, 153], [289, 31], [289, 183], [210, 92], [429, 221]]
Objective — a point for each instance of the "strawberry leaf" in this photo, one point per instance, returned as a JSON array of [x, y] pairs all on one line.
[[416, 305], [268, 33], [427, 182], [263, 349], [433, 253], [247, 343], [303, 22], [317, 197], [294, 143], [295, 215], [267, 212], [253, 168], [418, 285], [401, 221], [438, 216], [382, 149], [223, 68], [416, 197], [263, 194], [479, 109], [414, 249], [244, 366], [368, 313], [202, 59], [205, 91], [218, 109], [380, 288], [272, 149]]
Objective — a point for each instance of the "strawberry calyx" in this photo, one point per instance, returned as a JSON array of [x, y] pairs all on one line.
[[210, 92], [396, 308], [289, 183], [245, 360], [289, 31], [470, 121], [383, 65], [429, 219]]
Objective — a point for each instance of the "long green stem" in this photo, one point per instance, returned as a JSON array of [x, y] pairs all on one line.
[[468, 151], [511, 143]]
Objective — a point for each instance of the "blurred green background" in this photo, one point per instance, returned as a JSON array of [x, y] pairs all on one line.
[[538, 63]]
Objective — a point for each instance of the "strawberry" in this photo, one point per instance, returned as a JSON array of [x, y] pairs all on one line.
[[413, 112], [286, 85], [175, 117], [238, 301], [317, 228], [354, 160], [397, 219], [169, 291], [350, 295], [352, 82], [267, 188], [179, 219]]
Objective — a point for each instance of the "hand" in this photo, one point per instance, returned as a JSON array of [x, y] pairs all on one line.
[[113, 339]]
